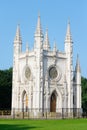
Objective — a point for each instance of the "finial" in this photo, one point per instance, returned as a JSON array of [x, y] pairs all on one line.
[[55, 48], [39, 14], [68, 38], [27, 47], [78, 64], [18, 25], [46, 41], [46, 37], [69, 21], [47, 29], [38, 29], [68, 28]]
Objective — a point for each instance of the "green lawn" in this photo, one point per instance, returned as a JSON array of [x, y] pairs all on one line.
[[70, 124]]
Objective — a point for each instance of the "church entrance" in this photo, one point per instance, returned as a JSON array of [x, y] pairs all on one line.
[[53, 102], [25, 102]]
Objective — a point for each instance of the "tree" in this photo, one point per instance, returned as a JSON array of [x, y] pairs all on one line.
[[84, 94], [5, 88]]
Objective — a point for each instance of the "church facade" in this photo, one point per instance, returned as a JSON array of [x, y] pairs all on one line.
[[44, 81]]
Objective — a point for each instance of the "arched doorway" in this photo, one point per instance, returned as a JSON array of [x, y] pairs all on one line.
[[25, 102], [53, 102]]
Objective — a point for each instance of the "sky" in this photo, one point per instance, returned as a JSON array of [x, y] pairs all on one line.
[[54, 16]]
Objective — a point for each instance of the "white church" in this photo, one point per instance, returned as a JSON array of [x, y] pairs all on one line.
[[44, 81]]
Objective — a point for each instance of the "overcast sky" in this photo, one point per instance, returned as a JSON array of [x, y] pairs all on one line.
[[54, 16]]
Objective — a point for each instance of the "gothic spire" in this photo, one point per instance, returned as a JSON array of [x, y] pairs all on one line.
[[78, 65], [55, 48], [39, 28], [68, 38], [27, 47], [46, 41], [18, 36]]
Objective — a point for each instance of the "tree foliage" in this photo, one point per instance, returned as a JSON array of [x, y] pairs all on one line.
[[84, 94], [5, 88]]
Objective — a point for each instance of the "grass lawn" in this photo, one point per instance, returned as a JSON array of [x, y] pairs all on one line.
[[70, 124]]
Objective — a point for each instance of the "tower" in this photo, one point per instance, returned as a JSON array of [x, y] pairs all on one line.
[[69, 65], [16, 78], [38, 49]]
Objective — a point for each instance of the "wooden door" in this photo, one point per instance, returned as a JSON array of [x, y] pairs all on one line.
[[53, 103]]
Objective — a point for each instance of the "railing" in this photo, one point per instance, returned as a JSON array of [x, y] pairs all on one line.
[[41, 114], [5, 112]]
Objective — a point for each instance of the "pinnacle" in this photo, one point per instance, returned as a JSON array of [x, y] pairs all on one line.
[[46, 37], [39, 29], [78, 64], [27, 47], [68, 33], [46, 41], [68, 28], [55, 48], [18, 35]]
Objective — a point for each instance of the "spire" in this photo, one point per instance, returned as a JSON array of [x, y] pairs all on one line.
[[46, 41], [55, 48], [68, 37], [27, 47], [38, 29], [78, 65], [18, 36]]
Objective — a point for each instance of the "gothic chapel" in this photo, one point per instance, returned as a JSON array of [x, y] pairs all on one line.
[[44, 81]]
